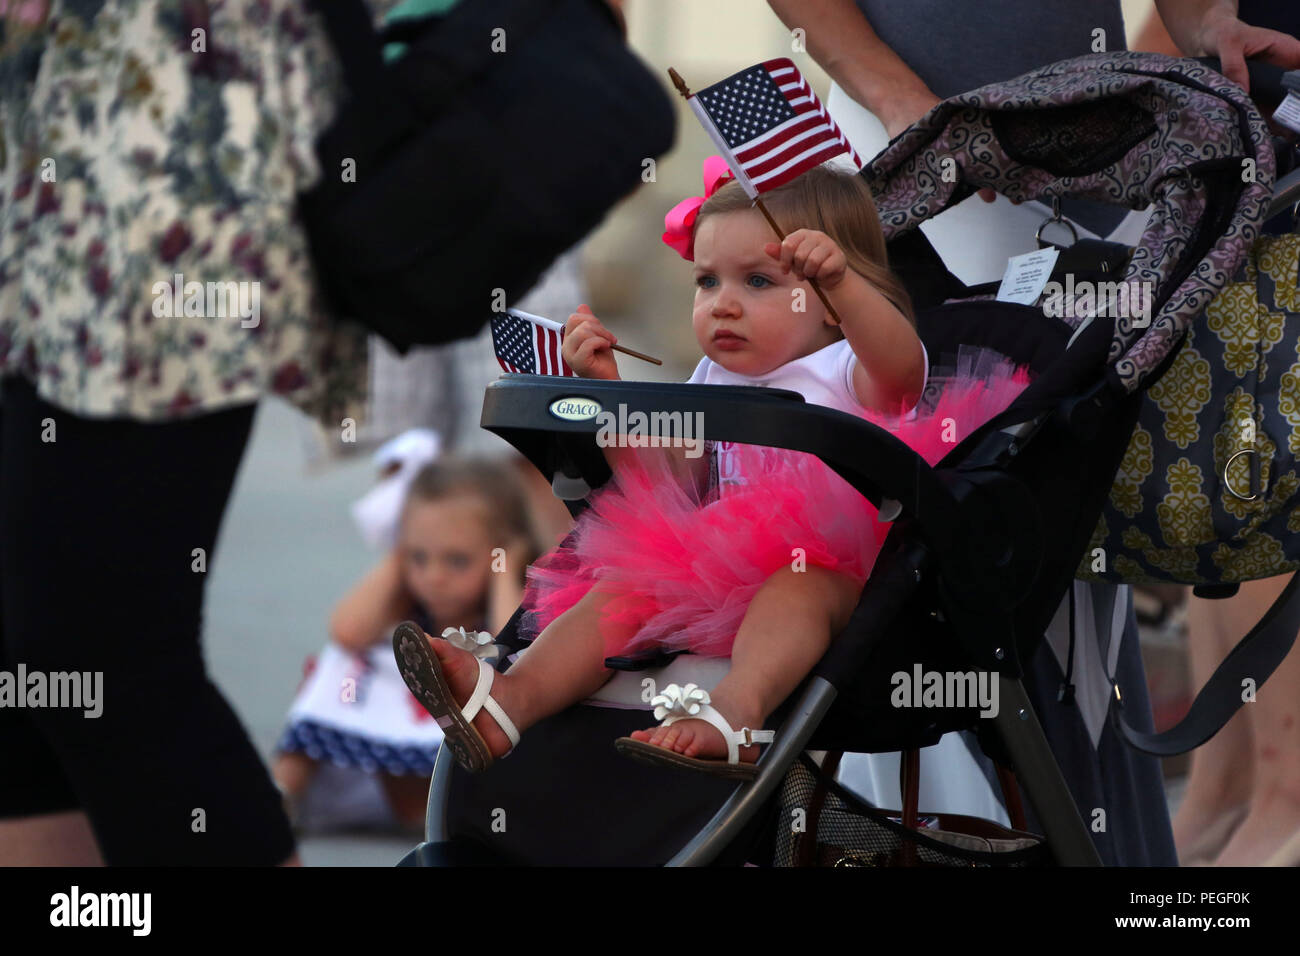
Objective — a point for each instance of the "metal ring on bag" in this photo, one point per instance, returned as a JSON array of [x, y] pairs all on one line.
[[1232, 491], [1057, 218]]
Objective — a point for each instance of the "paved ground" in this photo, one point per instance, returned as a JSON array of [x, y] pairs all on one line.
[[288, 550]]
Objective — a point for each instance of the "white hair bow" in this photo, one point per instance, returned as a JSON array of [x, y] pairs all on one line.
[[378, 512]]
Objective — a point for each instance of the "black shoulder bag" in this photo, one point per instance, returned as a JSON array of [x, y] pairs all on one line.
[[498, 140]]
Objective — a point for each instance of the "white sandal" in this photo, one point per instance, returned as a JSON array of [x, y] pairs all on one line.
[[423, 675], [692, 703]]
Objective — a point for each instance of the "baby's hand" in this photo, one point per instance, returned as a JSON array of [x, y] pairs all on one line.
[[586, 346], [812, 255]]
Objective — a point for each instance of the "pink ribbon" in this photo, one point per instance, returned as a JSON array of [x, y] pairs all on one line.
[[679, 224]]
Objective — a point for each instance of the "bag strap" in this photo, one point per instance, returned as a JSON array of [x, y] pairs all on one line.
[[1256, 656], [1011, 797], [909, 777], [805, 850], [909, 783]]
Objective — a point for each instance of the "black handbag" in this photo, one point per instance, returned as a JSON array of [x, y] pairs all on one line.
[[498, 140]]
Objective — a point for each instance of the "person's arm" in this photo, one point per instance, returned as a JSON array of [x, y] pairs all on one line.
[[842, 42], [375, 603], [1154, 37], [1212, 28], [890, 371], [506, 587]]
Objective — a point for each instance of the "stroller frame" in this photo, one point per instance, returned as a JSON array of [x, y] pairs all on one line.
[[517, 408], [967, 547]]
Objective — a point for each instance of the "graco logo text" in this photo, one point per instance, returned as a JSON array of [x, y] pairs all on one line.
[[575, 409]]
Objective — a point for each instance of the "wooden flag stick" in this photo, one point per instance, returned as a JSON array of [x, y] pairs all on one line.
[[551, 323], [685, 91], [812, 282], [678, 82], [635, 354]]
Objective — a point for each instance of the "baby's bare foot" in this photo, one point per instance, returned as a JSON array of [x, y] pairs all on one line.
[[692, 737]]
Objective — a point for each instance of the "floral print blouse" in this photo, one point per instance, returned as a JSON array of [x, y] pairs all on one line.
[[150, 155]]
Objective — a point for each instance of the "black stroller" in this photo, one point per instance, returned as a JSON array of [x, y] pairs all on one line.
[[984, 546]]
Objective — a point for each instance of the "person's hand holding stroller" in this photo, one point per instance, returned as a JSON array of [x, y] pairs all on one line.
[[1212, 28]]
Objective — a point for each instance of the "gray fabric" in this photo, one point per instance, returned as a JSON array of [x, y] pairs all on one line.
[[1100, 769], [1099, 610], [1109, 775], [958, 45]]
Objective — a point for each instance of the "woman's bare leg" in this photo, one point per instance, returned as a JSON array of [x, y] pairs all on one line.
[[1219, 781], [786, 630], [1274, 815], [566, 664]]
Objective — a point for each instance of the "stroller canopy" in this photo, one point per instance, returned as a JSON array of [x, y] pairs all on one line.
[[1130, 129]]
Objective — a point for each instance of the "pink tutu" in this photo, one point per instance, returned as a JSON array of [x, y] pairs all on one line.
[[681, 571]]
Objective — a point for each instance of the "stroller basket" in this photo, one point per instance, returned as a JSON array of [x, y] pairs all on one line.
[[842, 830]]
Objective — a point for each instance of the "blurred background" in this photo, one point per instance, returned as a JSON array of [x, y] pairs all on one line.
[[289, 548]]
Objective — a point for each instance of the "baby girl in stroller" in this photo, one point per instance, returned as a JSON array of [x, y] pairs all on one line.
[[751, 553]]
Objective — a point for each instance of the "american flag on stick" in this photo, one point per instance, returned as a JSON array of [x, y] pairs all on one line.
[[528, 343], [769, 125]]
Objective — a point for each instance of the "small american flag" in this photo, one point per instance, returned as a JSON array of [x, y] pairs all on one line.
[[769, 125], [528, 343]]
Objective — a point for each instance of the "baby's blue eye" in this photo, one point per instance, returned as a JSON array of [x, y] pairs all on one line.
[[706, 282], [762, 281]]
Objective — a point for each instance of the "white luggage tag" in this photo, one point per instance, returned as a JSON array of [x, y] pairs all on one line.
[[1026, 275], [1288, 112]]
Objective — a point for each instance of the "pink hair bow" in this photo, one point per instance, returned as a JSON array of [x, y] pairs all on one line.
[[679, 224]]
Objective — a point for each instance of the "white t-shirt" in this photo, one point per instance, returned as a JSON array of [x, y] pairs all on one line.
[[824, 377]]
